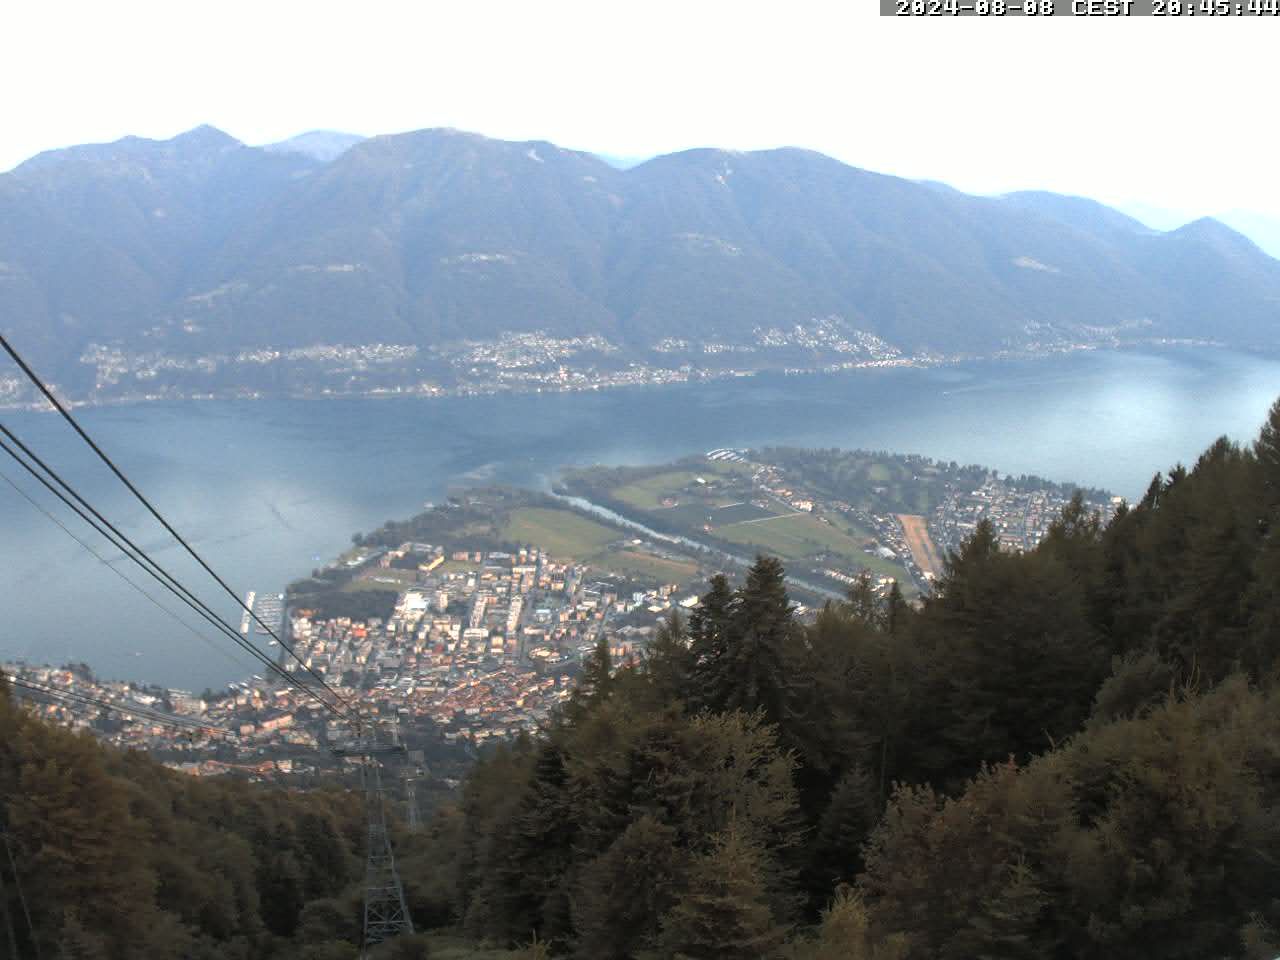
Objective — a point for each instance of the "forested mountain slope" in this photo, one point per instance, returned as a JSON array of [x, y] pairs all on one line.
[[201, 246], [117, 858], [1069, 753], [1072, 753]]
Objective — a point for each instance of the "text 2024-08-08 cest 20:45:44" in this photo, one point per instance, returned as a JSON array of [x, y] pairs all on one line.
[[1080, 8]]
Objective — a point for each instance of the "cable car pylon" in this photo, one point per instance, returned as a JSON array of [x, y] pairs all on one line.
[[386, 913]]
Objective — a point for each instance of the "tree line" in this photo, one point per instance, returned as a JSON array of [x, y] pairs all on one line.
[[1069, 753], [1072, 752]]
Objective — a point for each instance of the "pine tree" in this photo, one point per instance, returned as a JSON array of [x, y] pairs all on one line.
[[1006, 922], [845, 934], [750, 674], [709, 629], [862, 602], [524, 858], [625, 891], [845, 825], [723, 913], [1266, 450], [1261, 652], [670, 660], [896, 611], [1012, 661], [596, 681]]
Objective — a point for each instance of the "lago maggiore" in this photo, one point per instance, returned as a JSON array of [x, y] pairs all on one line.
[[272, 488]]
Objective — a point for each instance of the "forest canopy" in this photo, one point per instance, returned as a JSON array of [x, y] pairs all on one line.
[[1071, 752]]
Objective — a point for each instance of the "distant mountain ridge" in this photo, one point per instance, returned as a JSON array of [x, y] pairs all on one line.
[[202, 245], [321, 145]]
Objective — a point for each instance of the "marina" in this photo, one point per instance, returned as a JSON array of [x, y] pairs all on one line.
[[267, 610]]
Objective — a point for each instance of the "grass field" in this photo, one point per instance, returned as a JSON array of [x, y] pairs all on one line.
[[561, 533], [389, 579], [889, 568], [859, 533], [797, 536], [876, 564], [793, 536], [736, 513], [647, 494], [458, 566], [645, 566], [690, 515]]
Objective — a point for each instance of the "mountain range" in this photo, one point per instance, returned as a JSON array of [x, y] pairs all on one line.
[[201, 245]]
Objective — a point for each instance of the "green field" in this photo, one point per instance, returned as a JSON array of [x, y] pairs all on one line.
[[400, 578], [562, 534], [793, 536], [725, 484], [861, 534], [457, 566], [647, 494], [645, 566], [737, 512], [797, 536], [889, 568]]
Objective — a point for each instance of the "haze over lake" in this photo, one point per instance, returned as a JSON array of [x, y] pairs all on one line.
[[267, 490]]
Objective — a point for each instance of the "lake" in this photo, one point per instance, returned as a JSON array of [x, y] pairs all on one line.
[[267, 490]]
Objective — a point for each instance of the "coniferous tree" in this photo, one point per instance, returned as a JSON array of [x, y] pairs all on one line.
[[1013, 662], [896, 611], [625, 891], [724, 913], [597, 673], [1266, 450], [845, 934], [862, 603], [669, 662], [1138, 683], [709, 637], [751, 675], [524, 864], [1210, 521], [846, 823], [1261, 649]]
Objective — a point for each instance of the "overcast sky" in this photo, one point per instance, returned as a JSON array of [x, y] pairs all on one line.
[[1174, 113]]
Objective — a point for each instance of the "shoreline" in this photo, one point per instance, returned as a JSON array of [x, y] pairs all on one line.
[[690, 377]]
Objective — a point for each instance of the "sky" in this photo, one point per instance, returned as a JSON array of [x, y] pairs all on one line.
[[1173, 114]]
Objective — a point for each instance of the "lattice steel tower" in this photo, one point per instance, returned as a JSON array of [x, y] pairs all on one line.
[[411, 801], [386, 914]]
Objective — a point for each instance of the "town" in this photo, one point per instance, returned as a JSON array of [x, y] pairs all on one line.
[[484, 636], [525, 362], [485, 646]]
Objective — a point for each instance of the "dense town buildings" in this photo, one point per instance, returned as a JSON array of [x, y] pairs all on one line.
[[484, 644]]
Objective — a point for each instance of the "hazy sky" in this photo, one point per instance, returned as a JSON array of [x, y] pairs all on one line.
[[1175, 113]]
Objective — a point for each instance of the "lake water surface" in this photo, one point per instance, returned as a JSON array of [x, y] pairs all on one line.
[[268, 490]]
